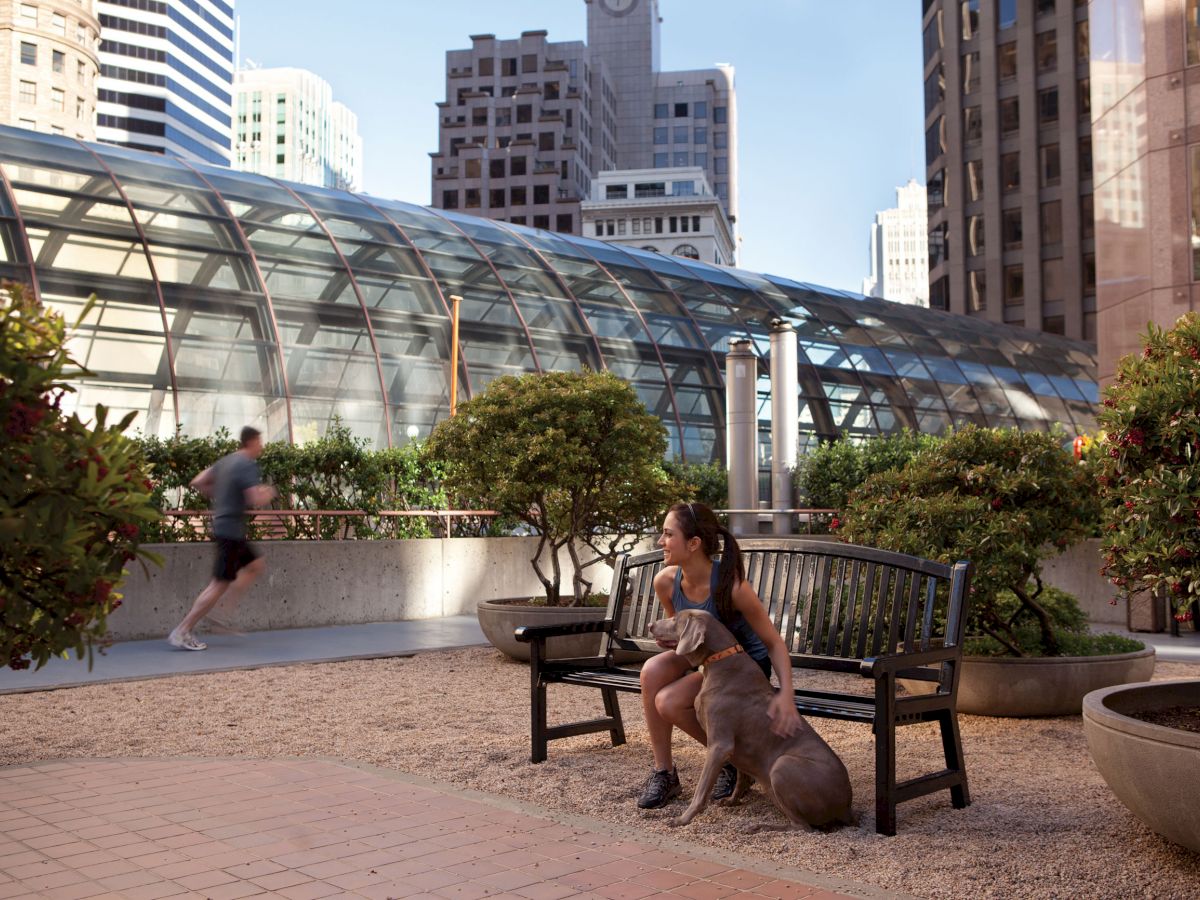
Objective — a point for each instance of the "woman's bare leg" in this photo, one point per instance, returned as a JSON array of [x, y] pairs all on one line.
[[668, 673]]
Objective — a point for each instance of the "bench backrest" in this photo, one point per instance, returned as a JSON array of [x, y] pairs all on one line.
[[832, 603]]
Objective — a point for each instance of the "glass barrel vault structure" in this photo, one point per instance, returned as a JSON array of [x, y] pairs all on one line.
[[225, 298]]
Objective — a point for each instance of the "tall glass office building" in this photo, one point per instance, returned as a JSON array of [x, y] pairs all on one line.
[[226, 298]]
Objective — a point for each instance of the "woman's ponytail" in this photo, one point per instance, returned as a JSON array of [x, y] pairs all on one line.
[[732, 570]]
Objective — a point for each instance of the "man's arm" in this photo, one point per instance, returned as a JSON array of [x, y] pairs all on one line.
[[204, 483], [259, 495]]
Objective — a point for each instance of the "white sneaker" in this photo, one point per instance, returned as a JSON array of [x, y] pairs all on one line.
[[185, 641]]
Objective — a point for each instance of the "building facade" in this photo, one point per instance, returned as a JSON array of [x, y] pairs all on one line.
[[670, 211], [49, 62], [1146, 132], [226, 298], [166, 77], [527, 124], [289, 126], [900, 249], [1008, 149]]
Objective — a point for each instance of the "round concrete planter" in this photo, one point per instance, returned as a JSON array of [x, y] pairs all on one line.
[[1147, 765], [499, 618], [1041, 686]]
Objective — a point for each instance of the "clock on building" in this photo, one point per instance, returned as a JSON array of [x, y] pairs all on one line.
[[618, 7]]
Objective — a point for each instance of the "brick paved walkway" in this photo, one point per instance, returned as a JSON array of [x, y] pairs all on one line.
[[144, 828]]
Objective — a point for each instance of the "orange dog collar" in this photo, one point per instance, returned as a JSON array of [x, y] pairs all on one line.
[[722, 654]]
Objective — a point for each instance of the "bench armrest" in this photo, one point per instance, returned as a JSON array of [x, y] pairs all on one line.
[[874, 666], [528, 633]]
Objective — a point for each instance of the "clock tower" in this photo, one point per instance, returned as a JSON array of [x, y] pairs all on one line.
[[623, 41]]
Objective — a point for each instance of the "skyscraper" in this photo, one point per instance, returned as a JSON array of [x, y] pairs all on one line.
[[166, 76], [48, 67], [1009, 156], [899, 250], [527, 124], [289, 126]]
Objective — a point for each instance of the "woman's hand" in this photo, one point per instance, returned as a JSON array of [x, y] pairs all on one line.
[[782, 713]]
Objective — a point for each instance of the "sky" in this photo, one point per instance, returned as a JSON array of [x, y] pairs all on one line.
[[830, 112]]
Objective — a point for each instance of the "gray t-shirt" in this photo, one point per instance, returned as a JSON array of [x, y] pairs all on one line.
[[233, 475]]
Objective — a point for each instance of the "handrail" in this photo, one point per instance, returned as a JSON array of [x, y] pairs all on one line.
[[445, 517]]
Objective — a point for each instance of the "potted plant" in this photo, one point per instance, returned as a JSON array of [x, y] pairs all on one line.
[[1142, 736], [1006, 500], [576, 459]]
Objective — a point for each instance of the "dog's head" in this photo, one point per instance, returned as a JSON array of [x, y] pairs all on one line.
[[694, 634]]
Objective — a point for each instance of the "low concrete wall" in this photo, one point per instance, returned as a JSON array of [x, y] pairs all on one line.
[[1077, 571], [318, 583]]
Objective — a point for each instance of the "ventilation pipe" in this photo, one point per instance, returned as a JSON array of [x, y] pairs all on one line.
[[741, 376], [785, 414]]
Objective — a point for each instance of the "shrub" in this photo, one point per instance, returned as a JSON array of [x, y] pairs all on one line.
[[575, 456], [706, 482], [826, 476], [1003, 499], [1150, 479], [1069, 622], [74, 499]]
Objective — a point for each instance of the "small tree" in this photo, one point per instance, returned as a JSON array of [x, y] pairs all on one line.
[[1002, 498], [1150, 474], [826, 476], [574, 456], [73, 498], [706, 482]]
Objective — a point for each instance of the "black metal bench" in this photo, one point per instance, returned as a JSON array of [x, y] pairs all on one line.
[[839, 608]]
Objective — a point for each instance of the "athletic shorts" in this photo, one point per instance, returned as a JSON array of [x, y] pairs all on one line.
[[232, 556]]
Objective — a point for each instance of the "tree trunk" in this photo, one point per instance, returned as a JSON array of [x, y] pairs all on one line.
[[1045, 625], [551, 586]]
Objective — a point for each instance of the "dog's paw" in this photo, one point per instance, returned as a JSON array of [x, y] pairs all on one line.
[[678, 821], [731, 801]]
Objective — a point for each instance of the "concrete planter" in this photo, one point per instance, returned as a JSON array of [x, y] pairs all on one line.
[[1042, 686], [1147, 765], [499, 618]]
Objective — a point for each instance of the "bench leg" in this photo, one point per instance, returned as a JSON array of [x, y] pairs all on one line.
[[960, 796], [885, 756], [612, 709]]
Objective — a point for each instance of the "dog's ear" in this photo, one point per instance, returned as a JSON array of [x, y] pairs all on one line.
[[692, 635]]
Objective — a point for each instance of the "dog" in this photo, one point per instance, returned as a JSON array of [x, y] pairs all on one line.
[[801, 774]]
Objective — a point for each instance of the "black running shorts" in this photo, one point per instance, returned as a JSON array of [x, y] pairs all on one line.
[[232, 556]]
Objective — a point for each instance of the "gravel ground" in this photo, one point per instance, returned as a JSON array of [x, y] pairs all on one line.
[[1042, 824]]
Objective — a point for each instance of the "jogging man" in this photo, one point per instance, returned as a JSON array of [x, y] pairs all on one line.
[[233, 483]]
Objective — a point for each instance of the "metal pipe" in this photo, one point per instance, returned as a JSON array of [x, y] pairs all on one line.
[[454, 301], [741, 375], [785, 414]]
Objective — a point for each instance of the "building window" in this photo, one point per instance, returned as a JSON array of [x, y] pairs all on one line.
[[28, 53], [681, 110], [542, 222], [681, 134], [58, 24], [939, 293], [1045, 53], [529, 63], [616, 192], [970, 70], [1014, 285], [935, 88], [700, 109], [546, 141], [679, 159], [80, 107], [80, 72], [508, 66], [1048, 106], [1006, 61], [701, 159], [660, 110], [1089, 274], [683, 189], [1085, 157], [497, 198], [687, 251], [1052, 222], [1010, 229], [28, 12], [1051, 168], [620, 227], [974, 179], [637, 226], [486, 65], [1052, 281], [720, 115], [479, 115], [564, 223], [29, 92], [550, 91], [58, 61], [541, 194], [1083, 50], [661, 135], [1010, 172], [1010, 115], [449, 199], [58, 100], [975, 243], [496, 168], [1054, 324], [660, 160], [972, 125], [1045, 7], [935, 192], [700, 136], [933, 39], [471, 198], [518, 196], [720, 140], [518, 165], [1087, 220], [937, 245], [524, 113], [977, 290], [658, 225], [1006, 14], [970, 19], [721, 165], [1085, 98]]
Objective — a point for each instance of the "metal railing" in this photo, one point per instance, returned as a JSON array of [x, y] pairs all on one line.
[[803, 522], [331, 524]]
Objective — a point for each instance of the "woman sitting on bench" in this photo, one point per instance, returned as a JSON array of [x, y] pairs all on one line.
[[691, 579]]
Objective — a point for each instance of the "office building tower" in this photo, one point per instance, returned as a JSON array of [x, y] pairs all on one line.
[[900, 249], [527, 124], [48, 66], [669, 211], [289, 126], [166, 77], [1145, 62], [1008, 148]]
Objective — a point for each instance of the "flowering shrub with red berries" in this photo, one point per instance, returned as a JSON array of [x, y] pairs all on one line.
[[73, 497], [1150, 475], [1002, 498]]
